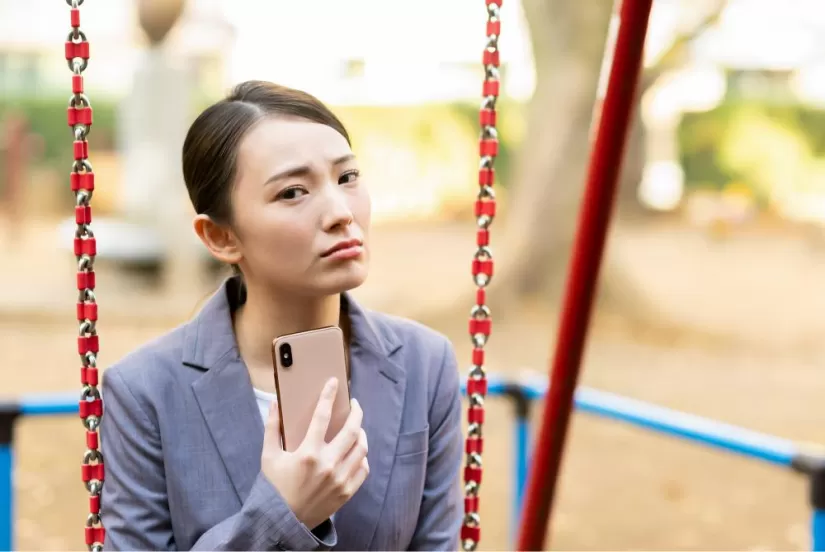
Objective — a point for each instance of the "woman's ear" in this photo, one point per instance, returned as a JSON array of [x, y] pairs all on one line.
[[219, 239]]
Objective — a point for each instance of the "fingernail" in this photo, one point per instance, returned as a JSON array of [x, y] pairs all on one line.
[[354, 403], [331, 385]]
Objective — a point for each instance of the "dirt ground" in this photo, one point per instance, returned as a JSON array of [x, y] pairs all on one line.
[[621, 488]]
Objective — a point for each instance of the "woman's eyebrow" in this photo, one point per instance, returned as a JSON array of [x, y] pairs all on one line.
[[303, 170]]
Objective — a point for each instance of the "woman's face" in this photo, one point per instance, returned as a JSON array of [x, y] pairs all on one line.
[[300, 209]]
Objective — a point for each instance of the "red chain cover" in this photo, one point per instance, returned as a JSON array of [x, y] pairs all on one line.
[[480, 323], [79, 116]]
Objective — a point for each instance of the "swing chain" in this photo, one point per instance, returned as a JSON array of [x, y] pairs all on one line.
[[81, 178], [482, 270]]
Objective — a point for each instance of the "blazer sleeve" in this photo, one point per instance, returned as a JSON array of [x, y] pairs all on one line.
[[134, 504], [439, 520]]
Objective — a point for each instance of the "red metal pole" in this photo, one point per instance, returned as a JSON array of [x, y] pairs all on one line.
[[602, 178]]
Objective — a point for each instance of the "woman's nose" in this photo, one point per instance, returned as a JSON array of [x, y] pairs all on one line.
[[338, 212]]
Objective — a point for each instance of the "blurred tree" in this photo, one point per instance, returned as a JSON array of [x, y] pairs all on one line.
[[157, 17], [568, 41]]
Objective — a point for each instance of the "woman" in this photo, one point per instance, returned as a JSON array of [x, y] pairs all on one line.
[[190, 434]]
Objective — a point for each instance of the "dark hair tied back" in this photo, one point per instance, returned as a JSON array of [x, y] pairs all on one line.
[[210, 150]]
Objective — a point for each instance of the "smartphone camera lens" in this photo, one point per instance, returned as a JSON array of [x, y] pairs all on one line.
[[286, 355]]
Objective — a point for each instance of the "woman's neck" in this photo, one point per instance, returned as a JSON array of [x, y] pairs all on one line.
[[264, 317]]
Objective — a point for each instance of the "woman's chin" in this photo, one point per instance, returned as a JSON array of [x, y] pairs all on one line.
[[344, 278]]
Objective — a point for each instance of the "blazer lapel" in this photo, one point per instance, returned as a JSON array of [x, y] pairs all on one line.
[[378, 383], [228, 405], [227, 401], [224, 392]]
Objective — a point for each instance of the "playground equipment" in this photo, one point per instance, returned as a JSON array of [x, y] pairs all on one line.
[[613, 120], [522, 395], [612, 123], [82, 184], [482, 271]]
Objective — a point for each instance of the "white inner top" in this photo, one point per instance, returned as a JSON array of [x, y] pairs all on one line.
[[264, 399]]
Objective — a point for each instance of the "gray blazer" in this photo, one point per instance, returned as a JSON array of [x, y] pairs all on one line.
[[182, 436]]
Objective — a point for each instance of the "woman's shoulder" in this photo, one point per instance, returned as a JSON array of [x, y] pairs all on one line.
[[151, 364], [427, 355], [411, 333]]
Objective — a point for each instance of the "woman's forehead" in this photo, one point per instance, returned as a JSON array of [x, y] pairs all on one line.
[[294, 138], [275, 146]]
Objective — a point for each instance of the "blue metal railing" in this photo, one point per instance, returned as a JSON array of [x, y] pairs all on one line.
[[818, 530], [522, 394], [6, 498]]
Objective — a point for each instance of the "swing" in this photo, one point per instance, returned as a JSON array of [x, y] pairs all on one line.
[[611, 128], [82, 185]]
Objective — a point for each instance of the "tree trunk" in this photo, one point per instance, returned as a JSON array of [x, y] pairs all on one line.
[[568, 42], [537, 229], [568, 45], [703, 15], [635, 158]]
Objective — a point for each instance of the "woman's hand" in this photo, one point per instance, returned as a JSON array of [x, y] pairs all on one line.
[[319, 477]]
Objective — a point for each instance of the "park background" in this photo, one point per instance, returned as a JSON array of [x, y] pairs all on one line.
[[712, 298]]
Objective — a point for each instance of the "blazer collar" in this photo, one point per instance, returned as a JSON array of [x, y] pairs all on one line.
[[210, 338], [378, 382]]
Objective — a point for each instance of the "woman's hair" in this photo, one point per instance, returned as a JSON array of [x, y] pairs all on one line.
[[210, 150]]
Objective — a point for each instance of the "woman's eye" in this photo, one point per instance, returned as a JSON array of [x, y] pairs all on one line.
[[349, 177], [291, 193]]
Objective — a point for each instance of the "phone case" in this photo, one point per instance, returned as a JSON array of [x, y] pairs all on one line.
[[316, 356]]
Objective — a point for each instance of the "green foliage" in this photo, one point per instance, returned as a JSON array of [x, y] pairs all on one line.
[[427, 147], [440, 134], [47, 118], [767, 148], [510, 125]]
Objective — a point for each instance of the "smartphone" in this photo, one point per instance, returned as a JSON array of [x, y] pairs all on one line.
[[304, 362]]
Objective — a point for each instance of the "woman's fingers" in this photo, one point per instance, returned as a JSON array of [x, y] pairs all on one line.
[[347, 437], [323, 414]]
